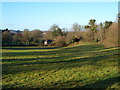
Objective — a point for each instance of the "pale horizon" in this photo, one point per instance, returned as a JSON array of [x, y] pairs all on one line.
[[41, 15]]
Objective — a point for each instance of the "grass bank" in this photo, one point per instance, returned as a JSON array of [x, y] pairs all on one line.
[[80, 66]]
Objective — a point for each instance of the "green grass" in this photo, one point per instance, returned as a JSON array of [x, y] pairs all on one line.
[[80, 66]]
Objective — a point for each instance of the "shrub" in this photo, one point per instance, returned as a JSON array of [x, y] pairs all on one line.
[[111, 36], [73, 37], [7, 38], [70, 38], [60, 41], [88, 36]]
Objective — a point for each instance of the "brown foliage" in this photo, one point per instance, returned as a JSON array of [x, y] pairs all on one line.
[[88, 36], [111, 36], [60, 41], [6, 38], [48, 35]]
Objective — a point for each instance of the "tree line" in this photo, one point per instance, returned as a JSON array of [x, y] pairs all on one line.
[[105, 33]]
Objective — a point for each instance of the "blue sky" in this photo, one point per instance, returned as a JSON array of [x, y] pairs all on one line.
[[41, 15]]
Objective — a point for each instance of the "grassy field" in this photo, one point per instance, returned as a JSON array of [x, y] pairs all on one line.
[[80, 66]]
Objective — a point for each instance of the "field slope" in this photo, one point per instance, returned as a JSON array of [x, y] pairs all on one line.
[[80, 66]]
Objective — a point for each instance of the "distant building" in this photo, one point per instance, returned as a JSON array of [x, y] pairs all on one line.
[[48, 42], [44, 32]]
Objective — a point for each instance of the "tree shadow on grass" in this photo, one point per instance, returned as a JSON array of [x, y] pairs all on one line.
[[19, 67], [96, 58], [28, 48], [102, 83], [77, 49]]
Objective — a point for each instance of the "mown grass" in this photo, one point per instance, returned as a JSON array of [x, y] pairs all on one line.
[[80, 66]]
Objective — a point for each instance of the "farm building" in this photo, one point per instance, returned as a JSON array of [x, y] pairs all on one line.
[[48, 42]]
